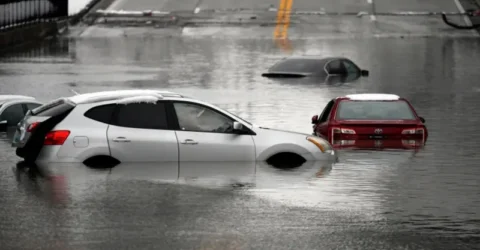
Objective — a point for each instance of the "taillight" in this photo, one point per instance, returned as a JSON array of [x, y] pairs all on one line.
[[343, 131], [56, 137], [32, 126], [413, 131]]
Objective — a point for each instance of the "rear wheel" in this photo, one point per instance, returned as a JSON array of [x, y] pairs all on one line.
[[101, 161]]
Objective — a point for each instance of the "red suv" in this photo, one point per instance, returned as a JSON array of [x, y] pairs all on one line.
[[370, 121]]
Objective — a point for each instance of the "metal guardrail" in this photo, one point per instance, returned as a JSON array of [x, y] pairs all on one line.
[[150, 13], [15, 13]]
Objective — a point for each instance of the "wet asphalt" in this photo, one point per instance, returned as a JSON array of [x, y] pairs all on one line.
[[426, 199]]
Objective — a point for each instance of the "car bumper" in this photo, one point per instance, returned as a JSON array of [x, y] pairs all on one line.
[[378, 144], [329, 155]]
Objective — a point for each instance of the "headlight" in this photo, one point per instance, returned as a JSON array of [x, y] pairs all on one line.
[[321, 144]]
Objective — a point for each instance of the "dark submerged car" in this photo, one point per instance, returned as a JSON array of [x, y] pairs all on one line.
[[321, 69]]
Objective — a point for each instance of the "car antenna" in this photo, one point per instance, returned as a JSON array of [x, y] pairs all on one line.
[[75, 92]]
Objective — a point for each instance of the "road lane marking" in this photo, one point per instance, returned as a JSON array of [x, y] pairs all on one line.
[[465, 18], [279, 20], [462, 10], [283, 19], [372, 9], [115, 4]]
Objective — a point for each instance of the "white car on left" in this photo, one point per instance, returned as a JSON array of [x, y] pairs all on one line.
[[154, 126], [13, 109]]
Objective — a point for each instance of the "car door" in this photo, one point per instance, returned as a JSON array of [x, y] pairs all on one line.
[[12, 114], [139, 132], [206, 135], [322, 124]]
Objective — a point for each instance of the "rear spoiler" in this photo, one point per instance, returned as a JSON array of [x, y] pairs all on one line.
[[51, 104]]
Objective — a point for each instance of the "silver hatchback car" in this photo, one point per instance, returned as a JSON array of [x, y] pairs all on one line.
[[153, 126]]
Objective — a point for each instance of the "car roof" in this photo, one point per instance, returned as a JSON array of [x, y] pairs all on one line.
[[371, 97], [7, 98], [133, 95]]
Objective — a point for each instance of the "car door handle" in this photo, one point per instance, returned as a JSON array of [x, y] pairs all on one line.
[[121, 139], [189, 141]]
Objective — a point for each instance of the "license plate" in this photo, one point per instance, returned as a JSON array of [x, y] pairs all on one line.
[[377, 137]]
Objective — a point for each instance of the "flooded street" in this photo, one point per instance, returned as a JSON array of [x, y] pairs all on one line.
[[427, 199]]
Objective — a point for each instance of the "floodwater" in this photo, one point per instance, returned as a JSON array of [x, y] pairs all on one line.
[[427, 199]]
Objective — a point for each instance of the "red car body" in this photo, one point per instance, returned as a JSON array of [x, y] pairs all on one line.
[[390, 122]]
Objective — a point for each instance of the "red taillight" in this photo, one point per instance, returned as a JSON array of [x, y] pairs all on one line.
[[56, 137], [413, 131], [32, 126]]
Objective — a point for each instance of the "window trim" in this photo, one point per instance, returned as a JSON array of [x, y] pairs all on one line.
[[176, 124], [351, 62], [331, 103], [102, 105], [326, 64], [5, 107], [402, 100], [25, 108], [117, 109]]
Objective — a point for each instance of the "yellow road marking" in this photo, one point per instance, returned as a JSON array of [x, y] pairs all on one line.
[[282, 24]]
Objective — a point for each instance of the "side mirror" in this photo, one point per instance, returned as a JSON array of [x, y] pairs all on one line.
[[422, 119], [3, 126], [237, 126], [364, 72], [314, 119]]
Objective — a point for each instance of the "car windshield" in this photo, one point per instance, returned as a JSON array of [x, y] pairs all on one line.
[[297, 65], [374, 110]]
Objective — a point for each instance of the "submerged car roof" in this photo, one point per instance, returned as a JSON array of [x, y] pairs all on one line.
[[371, 97]]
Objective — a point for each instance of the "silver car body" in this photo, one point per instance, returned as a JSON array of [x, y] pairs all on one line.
[[90, 138]]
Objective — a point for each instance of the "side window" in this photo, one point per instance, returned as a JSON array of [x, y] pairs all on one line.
[[194, 117], [326, 112], [335, 67], [350, 67], [101, 113], [31, 106], [142, 115], [13, 114]]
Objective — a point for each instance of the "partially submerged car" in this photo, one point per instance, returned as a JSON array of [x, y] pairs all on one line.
[[318, 68], [370, 121], [154, 126], [13, 108]]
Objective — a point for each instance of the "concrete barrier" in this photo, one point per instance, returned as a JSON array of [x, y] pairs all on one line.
[[27, 34]]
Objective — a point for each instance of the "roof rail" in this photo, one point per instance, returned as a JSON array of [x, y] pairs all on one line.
[[119, 95]]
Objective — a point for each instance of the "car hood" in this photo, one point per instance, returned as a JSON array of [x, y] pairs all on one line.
[[279, 130]]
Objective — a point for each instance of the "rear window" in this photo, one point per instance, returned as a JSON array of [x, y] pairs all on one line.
[[52, 108], [101, 113], [374, 110]]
